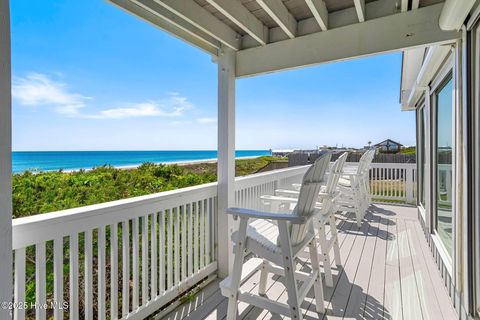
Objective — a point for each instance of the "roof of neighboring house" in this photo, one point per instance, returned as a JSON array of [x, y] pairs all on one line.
[[388, 140]]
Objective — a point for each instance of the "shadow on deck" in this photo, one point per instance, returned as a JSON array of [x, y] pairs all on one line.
[[388, 273]]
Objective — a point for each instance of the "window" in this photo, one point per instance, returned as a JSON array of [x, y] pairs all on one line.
[[444, 160]]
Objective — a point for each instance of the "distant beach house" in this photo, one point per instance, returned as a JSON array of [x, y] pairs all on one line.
[[388, 146]]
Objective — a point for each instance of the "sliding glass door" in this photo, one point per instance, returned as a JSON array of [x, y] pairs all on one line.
[[444, 160]]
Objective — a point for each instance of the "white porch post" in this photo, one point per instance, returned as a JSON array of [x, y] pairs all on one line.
[[226, 157], [5, 161]]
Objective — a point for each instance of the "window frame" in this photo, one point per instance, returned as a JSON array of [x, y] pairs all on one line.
[[445, 74]]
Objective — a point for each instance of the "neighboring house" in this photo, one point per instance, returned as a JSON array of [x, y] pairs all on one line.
[[388, 146]]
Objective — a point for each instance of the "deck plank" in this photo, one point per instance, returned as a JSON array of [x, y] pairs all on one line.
[[359, 289], [410, 300], [373, 305], [393, 286], [428, 301], [338, 301], [446, 306]]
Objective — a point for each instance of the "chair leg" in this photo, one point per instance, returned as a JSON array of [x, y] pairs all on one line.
[[317, 285], [322, 237], [262, 287], [237, 270], [289, 267], [336, 245]]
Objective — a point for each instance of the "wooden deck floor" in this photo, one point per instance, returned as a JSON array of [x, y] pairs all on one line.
[[387, 273]]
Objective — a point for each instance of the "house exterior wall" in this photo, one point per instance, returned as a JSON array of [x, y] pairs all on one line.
[[459, 260]]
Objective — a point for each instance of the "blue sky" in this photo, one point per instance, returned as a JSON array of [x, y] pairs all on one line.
[[88, 76]]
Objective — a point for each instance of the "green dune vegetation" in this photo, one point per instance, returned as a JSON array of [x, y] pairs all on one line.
[[35, 193]]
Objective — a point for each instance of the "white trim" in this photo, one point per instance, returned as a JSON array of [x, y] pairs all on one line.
[[475, 65], [204, 20], [238, 14], [395, 32], [360, 8], [442, 251], [320, 13], [280, 14], [6, 286]]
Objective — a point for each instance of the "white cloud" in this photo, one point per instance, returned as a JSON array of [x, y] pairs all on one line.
[[207, 120], [174, 106], [38, 89]]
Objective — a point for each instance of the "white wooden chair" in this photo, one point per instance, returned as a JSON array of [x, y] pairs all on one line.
[[355, 190], [295, 233], [327, 209]]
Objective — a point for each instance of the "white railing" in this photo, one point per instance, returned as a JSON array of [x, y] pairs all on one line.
[[393, 182], [124, 258], [129, 258]]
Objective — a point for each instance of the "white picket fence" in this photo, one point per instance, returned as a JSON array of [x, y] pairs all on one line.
[[129, 258]]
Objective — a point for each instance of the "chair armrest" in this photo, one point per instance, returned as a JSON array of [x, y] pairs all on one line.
[[247, 213]]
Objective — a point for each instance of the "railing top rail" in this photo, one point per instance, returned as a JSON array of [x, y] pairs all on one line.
[[392, 165]]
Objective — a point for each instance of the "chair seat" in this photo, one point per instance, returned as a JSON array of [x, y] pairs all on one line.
[[262, 240], [344, 182]]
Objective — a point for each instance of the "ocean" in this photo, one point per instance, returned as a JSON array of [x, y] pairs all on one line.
[[75, 160]]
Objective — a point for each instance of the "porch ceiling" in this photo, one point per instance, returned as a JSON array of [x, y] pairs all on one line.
[[290, 28]]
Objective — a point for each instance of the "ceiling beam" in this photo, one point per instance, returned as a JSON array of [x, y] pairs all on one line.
[[404, 6], [319, 11], [190, 11], [243, 18], [360, 8], [391, 33], [170, 24], [280, 14]]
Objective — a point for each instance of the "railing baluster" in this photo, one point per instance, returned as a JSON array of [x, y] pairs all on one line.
[[19, 295], [190, 239], [135, 264], [144, 222], [58, 278], [88, 275], [101, 273], [169, 249], [195, 238], [176, 244], [125, 268], [207, 231], [184, 243], [154, 256], [114, 271], [40, 281], [161, 251], [73, 281], [201, 208]]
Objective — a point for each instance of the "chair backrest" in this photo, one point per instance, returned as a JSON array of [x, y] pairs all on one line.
[[364, 161], [335, 173], [308, 196]]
